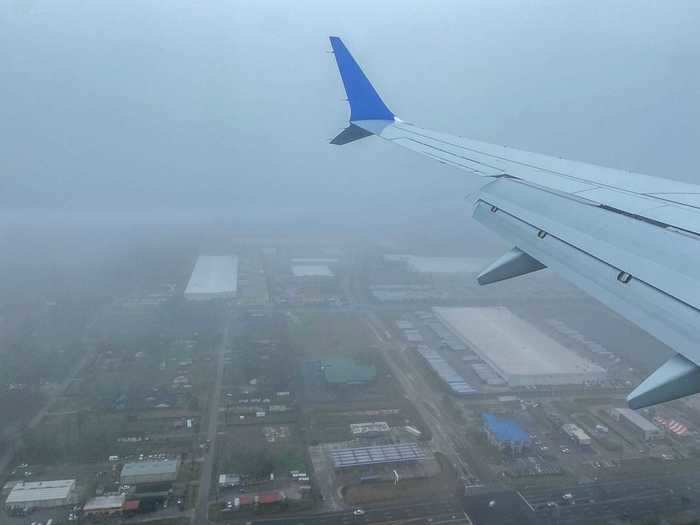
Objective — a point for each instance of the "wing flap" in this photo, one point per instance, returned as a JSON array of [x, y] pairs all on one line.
[[548, 231]]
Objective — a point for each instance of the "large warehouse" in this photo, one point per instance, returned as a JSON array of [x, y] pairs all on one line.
[[518, 351], [150, 472], [213, 277], [42, 494]]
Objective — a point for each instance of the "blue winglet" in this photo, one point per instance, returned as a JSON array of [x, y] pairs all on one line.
[[365, 103]]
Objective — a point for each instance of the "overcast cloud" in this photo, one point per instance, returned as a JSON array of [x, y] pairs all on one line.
[[137, 105]]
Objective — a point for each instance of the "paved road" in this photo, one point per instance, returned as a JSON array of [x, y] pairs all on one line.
[[438, 512], [201, 512], [426, 400], [609, 500]]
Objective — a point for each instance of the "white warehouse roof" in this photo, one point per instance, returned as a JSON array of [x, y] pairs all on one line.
[[36, 491], [213, 276], [520, 352]]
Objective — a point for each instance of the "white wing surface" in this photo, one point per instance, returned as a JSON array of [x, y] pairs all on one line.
[[630, 240]]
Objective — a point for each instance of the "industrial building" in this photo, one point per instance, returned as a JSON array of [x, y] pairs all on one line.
[[363, 456], [505, 434], [576, 434], [141, 472], [637, 423], [213, 277], [42, 494], [454, 381], [516, 350], [104, 505]]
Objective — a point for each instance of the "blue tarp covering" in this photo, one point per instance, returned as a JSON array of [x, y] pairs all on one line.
[[505, 430]]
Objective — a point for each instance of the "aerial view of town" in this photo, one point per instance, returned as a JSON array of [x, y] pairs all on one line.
[[278, 381], [349, 263]]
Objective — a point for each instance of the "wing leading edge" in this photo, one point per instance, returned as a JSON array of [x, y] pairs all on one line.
[[628, 239]]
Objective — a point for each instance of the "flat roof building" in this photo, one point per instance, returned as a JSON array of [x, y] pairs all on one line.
[[637, 423], [576, 434], [229, 480], [213, 277], [517, 350], [42, 494], [104, 505], [150, 471], [505, 434]]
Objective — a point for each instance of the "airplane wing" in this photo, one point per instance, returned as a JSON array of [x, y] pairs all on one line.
[[630, 240]]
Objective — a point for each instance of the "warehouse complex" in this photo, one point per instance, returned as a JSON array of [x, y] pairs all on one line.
[[42, 494], [516, 350], [213, 277], [150, 472]]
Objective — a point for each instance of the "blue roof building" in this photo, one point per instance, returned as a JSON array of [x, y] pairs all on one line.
[[505, 434]]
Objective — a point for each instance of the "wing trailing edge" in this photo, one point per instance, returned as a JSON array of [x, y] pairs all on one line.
[[629, 240]]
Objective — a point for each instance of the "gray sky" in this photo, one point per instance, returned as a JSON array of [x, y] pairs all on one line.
[[141, 105]]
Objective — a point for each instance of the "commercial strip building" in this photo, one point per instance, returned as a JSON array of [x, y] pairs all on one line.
[[42, 494], [576, 434], [213, 277], [505, 434], [141, 472], [520, 353], [637, 423]]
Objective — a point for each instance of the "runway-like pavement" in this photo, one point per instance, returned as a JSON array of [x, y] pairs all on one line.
[[439, 512]]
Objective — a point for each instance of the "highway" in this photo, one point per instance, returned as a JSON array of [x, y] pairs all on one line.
[[438, 512], [199, 517], [624, 499]]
